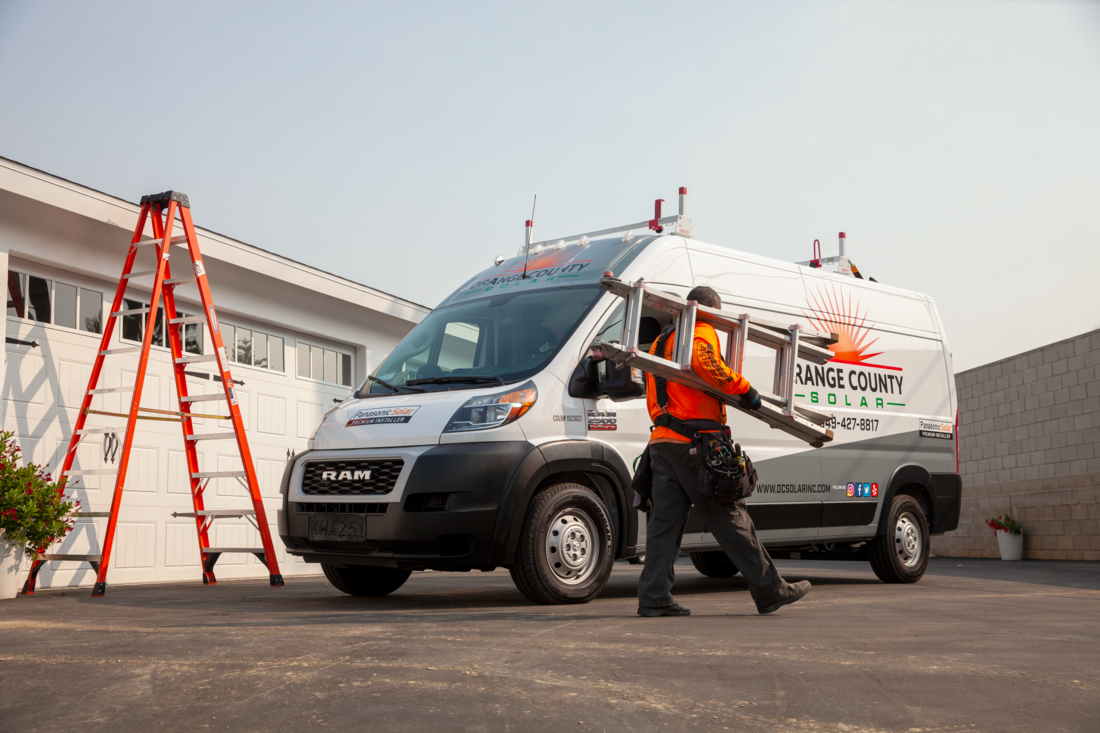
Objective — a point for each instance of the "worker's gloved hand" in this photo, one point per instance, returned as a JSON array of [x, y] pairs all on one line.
[[751, 400]]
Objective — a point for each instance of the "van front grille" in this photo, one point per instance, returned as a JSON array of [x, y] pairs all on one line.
[[351, 478]]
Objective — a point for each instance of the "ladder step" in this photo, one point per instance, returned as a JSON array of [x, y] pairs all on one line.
[[110, 390], [175, 241], [212, 436], [134, 312], [123, 350], [96, 431], [178, 280], [220, 474], [203, 398], [91, 471], [143, 273], [223, 550], [188, 319], [90, 514], [196, 358], [217, 513], [77, 558]]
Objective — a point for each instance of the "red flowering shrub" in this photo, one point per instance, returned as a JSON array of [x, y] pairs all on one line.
[[33, 509], [1005, 523]]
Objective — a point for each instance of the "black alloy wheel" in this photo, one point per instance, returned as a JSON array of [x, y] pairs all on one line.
[[900, 555]]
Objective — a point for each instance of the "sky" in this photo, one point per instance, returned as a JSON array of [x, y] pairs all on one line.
[[400, 144]]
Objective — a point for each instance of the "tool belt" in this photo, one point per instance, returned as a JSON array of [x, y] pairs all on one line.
[[727, 474]]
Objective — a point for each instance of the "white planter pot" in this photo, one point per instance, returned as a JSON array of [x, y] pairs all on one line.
[[11, 560], [1011, 545]]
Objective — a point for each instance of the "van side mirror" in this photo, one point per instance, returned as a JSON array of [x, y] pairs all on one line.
[[604, 378]]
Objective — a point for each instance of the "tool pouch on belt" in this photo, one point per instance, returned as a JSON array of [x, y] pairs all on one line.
[[643, 482], [727, 475]]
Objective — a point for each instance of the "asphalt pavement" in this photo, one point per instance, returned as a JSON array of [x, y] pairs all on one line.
[[976, 645]]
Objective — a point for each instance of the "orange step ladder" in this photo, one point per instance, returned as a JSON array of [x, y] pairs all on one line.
[[161, 211]]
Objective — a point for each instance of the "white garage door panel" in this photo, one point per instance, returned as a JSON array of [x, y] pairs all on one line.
[[181, 545], [230, 486], [234, 535], [178, 480], [150, 390], [269, 473], [244, 401], [25, 378], [270, 415], [73, 379], [135, 545], [309, 417], [141, 474]]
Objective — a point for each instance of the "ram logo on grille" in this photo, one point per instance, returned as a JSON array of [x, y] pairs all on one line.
[[357, 477], [345, 476]]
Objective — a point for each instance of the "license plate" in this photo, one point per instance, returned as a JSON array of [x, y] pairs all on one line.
[[338, 527]]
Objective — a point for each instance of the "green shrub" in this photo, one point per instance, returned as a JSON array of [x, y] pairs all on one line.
[[34, 511]]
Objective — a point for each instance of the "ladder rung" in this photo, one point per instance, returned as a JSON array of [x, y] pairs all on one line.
[[110, 390], [134, 312], [226, 513], [90, 514], [188, 319], [250, 550], [96, 431], [123, 350], [91, 471], [196, 358], [142, 273], [212, 436], [219, 474], [182, 239], [78, 558], [178, 280], [203, 398]]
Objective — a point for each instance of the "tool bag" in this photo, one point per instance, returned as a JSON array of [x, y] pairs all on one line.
[[727, 474]]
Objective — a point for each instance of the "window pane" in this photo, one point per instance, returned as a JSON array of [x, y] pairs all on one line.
[[316, 362], [259, 349], [330, 366], [303, 360], [275, 353], [91, 311], [158, 327], [17, 305], [229, 340], [345, 370], [38, 296], [244, 346], [65, 304], [458, 346], [192, 336], [132, 326]]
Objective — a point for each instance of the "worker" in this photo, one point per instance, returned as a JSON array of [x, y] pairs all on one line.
[[679, 413]]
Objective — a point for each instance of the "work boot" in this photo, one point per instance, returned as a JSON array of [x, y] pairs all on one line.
[[674, 610], [789, 593]]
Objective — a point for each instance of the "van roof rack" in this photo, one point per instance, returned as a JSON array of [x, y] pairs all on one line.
[[656, 224], [840, 264]]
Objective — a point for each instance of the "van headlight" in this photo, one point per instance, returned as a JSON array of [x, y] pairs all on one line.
[[494, 410]]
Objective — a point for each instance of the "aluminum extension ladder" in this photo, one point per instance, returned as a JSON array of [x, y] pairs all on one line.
[[778, 408], [161, 210]]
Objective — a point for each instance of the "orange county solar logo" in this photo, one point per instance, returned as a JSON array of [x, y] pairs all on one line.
[[851, 370], [546, 266]]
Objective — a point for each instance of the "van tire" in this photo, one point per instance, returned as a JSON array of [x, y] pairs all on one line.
[[365, 580], [575, 511], [900, 555], [714, 564]]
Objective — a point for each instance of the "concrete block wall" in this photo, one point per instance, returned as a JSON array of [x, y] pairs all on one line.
[[1029, 445]]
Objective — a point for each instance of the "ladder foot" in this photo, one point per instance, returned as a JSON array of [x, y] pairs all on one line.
[[277, 580], [209, 579], [99, 590]]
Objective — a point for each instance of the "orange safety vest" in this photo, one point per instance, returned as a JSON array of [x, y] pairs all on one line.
[[685, 403]]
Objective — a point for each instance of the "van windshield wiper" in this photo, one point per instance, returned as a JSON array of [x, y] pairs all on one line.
[[390, 387], [456, 379]]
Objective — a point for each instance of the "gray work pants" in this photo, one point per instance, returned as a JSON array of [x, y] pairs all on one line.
[[675, 482]]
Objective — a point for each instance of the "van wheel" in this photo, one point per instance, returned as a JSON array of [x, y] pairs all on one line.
[[901, 554], [714, 564], [365, 580], [565, 548]]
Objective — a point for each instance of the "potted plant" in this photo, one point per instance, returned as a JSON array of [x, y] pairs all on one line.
[[1010, 537], [34, 513]]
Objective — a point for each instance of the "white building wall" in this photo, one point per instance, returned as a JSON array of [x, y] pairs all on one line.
[[47, 235]]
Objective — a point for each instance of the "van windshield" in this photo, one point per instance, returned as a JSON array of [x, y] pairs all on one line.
[[505, 338]]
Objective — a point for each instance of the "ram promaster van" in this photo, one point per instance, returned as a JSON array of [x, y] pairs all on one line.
[[490, 437]]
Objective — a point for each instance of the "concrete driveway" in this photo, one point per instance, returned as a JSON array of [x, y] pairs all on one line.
[[976, 645]]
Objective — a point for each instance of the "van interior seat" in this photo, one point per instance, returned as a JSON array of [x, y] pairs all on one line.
[[539, 341]]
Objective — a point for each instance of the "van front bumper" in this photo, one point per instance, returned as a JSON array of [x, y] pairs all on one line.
[[445, 516]]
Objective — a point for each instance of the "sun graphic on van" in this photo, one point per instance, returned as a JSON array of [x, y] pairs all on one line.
[[552, 258], [830, 310]]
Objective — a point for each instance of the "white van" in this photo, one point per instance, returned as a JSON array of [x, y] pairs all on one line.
[[490, 437]]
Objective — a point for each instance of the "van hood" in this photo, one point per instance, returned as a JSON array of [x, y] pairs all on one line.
[[383, 422]]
